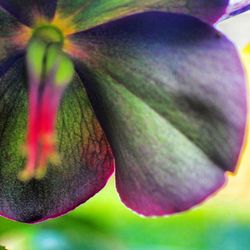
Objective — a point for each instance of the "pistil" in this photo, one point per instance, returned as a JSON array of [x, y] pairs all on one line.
[[49, 72]]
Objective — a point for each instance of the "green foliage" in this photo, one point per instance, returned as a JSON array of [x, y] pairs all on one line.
[[104, 223]]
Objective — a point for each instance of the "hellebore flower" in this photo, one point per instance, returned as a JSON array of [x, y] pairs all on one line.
[[156, 91]]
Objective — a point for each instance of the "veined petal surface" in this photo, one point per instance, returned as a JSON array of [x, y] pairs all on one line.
[[29, 11], [84, 14], [86, 160], [169, 91]]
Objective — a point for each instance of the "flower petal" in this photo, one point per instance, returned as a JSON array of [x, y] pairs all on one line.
[[86, 158], [28, 11], [169, 92], [86, 14], [237, 8]]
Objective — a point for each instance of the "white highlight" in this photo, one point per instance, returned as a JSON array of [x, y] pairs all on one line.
[[235, 1], [237, 28]]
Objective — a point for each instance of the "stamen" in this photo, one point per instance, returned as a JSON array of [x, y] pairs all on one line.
[[49, 72]]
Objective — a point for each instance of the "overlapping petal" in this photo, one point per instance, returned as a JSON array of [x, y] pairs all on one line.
[[169, 92], [85, 14], [86, 158], [28, 11]]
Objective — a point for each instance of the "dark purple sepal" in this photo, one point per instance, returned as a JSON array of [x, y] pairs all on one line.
[[7, 63], [10, 51], [28, 11], [169, 91]]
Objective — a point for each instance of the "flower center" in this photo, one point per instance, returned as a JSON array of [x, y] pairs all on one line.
[[48, 34], [50, 71]]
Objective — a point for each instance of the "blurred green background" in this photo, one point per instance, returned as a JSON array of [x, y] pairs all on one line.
[[221, 223]]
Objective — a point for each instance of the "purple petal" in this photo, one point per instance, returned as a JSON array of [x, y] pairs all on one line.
[[170, 93], [87, 14], [86, 158], [27, 11], [237, 8], [8, 63]]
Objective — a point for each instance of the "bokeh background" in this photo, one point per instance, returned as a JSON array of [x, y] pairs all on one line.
[[222, 223]]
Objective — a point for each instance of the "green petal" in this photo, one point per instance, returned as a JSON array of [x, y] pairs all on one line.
[[86, 159], [85, 14]]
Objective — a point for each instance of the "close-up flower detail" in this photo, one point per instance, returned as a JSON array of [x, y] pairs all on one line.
[[149, 88]]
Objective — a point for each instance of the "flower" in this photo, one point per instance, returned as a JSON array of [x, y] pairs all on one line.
[[156, 91]]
